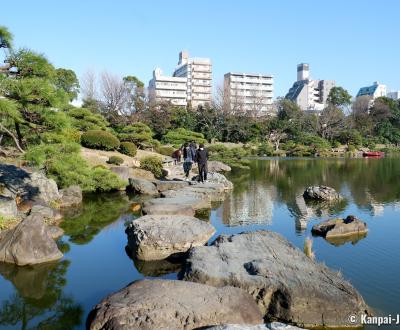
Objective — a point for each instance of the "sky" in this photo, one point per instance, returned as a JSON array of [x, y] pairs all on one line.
[[352, 42]]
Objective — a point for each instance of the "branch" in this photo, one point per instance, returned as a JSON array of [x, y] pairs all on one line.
[[4, 129]]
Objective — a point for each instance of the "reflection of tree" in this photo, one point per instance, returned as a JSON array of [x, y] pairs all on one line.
[[97, 212], [39, 302]]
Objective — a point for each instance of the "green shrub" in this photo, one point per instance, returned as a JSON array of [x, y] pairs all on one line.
[[180, 136], [314, 141], [84, 120], [100, 140], [105, 180], [138, 133], [166, 150], [152, 164], [351, 148], [128, 148], [336, 144], [230, 156], [115, 160], [265, 149]]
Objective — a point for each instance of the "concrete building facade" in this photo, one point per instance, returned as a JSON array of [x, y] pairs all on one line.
[[375, 90], [309, 94], [245, 92], [168, 89], [394, 95], [198, 72]]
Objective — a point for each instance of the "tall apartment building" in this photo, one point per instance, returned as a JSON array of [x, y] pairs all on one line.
[[198, 72], [248, 92], [168, 89], [309, 94], [394, 95], [376, 90]]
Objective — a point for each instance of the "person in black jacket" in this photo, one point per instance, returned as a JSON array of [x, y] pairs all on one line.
[[189, 156], [202, 159]]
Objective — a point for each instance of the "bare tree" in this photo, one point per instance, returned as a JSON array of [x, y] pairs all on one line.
[[330, 122], [114, 96], [89, 87], [360, 118]]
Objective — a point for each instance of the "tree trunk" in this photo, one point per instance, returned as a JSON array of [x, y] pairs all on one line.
[[19, 135], [4, 129]]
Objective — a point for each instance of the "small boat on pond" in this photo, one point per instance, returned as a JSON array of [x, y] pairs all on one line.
[[375, 154]]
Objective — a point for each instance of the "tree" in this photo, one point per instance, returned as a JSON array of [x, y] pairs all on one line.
[[138, 133], [360, 118], [66, 80], [339, 97], [89, 92], [6, 37], [330, 122]]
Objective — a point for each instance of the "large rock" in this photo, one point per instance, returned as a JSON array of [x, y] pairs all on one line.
[[125, 173], [171, 185], [216, 166], [173, 305], [70, 196], [168, 209], [214, 192], [8, 207], [286, 284], [321, 193], [194, 203], [268, 326], [30, 242], [340, 227], [214, 177], [26, 185], [48, 214], [156, 237], [143, 187]]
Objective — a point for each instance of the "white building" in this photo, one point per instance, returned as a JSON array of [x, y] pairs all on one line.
[[309, 94], [376, 90], [198, 72], [249, 92], [394, 95], [168, 89]]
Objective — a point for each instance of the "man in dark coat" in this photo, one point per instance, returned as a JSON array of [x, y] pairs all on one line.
[[202, 159]]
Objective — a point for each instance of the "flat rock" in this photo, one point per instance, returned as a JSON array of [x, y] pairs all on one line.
[[70, 196], [171, 185], [340, 227], [169, 209], [30, 242], [173, 305], [156, 237], [217, 166], [286, 284], [125, 173], [214, 192], [194, 203], [268, 326], [215, 177], [143, 187], [49, 214], [8, 207], [321, 193]]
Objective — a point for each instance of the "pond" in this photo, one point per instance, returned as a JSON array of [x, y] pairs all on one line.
[[269, 196]]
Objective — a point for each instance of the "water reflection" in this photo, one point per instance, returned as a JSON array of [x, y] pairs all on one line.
[[368, 183], [38, 302]]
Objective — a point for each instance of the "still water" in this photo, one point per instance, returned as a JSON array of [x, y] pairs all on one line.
[[95, 264]]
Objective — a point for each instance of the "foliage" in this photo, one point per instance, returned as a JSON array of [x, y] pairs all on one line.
[[230, 156], [180, 136], [84, 120], [152, 164], [166, 150], [128, 148], [6, 37], [115, 160], [265, 149], [138, 133], [102, 140], [66, 80], [338, 96]]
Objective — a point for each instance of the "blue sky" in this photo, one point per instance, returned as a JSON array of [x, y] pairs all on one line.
[[353, 42]]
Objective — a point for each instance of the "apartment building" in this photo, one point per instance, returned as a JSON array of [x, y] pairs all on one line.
[[168, 89], [394, 95], [198, 72], [246, 92], [374, 91], [309, 94]]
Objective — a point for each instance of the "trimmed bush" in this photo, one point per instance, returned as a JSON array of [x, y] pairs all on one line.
[[181, 135], [166, 150], [128, 148], [115, 160], [152, 164], [101, 140], [138, 133]]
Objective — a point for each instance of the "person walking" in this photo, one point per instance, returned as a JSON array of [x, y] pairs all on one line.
[[202, 160], [188, 159]]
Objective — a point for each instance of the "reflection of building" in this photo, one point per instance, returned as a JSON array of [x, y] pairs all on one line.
[[307, 93], [248, 92], [250, 207]]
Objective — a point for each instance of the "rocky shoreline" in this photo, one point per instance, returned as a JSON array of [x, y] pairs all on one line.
[[244, 281]]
